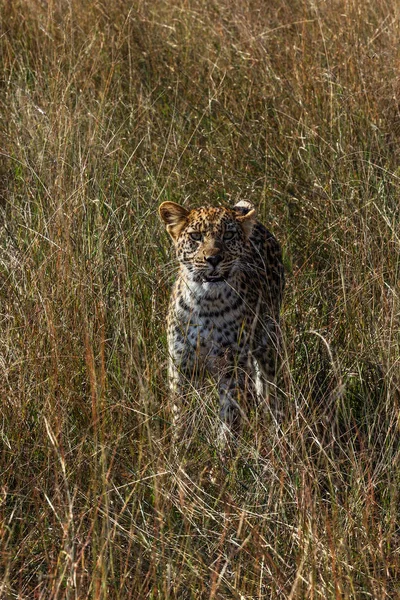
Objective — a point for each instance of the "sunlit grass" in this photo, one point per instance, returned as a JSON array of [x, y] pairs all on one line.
[[106, 111]]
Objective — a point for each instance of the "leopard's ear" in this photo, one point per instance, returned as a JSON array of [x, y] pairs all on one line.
[[243, 207], [246, 215], [174, 217]]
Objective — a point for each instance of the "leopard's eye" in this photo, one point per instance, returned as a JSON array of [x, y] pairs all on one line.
[[229, 235], [196, 236]]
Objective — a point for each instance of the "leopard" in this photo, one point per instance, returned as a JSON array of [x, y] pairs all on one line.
[[223, 320]]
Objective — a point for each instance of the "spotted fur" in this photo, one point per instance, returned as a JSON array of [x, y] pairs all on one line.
[[223, 317]]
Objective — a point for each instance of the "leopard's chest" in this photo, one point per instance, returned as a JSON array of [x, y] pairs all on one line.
[[208, 326], [210, 335]]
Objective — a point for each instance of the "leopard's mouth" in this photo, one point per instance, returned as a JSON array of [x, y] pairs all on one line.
[[213, 278]]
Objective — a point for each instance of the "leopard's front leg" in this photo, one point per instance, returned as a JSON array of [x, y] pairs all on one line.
[[181, 374], [236, 390], [178, 389], [267, 357]]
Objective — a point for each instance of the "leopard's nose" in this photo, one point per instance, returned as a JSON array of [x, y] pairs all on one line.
[[214, 259]]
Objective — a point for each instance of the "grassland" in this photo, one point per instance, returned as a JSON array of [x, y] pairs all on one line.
[[107, 109]]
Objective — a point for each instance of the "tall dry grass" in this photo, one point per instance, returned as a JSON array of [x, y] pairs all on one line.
[[106, 110]]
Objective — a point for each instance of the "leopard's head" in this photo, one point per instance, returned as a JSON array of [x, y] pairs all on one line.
[[211, 243]]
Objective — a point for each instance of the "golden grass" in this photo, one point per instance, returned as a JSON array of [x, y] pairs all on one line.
[[107, 109]]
